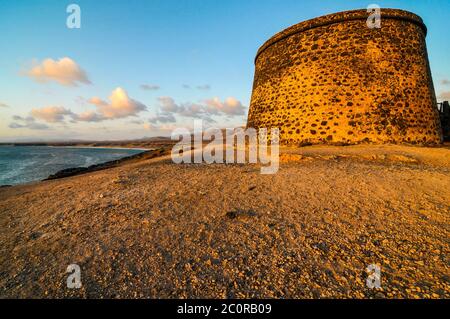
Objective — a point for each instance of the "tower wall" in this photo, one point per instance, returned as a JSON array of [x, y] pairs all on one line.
[[334, 80]]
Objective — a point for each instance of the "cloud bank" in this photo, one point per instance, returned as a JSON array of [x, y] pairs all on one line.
[[120, 106], [27, 122], [204, 110], [51, 114]]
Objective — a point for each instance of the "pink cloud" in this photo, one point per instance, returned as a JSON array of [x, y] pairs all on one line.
[[51, 114], [65, 71], [120, 105]]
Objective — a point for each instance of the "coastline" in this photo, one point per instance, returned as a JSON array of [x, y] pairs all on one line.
[[104, 147], [73, 171], [145, 153]]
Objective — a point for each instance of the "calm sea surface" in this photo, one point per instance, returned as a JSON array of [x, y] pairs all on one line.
[[23, 164]]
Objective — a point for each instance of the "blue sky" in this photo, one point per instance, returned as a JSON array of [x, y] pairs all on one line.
[[208, 45]]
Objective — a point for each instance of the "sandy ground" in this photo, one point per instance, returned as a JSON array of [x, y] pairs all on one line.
[[160, 230]]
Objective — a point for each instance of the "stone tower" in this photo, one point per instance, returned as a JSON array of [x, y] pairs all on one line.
[[335, 80]]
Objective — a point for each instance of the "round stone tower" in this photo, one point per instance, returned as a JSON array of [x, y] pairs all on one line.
[[335, 80]]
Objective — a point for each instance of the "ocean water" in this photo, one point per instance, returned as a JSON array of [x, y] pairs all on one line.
[[23, 164]]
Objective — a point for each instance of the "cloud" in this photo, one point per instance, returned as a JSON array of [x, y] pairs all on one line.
[[164, 127], [163, 118], [168, 104], [65, 71], [80, 100], [150, 87], [27, 122], [120, 105], [231, 106], [19, 118], [445, 95], [445, 82], [3, 105], [205, 87], [51, 114], [88, 116], [193, 110], [168, 107]]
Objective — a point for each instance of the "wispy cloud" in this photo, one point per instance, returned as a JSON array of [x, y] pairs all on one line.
[[137, 122], [163, 118], [3, 104], [445, 82], [27, 122], [150, 87], [64, 71], [163, 127], [88, 116], [194, 110], [203, 110], [230, 106], [205, 87], [206, 110], [444, 95]]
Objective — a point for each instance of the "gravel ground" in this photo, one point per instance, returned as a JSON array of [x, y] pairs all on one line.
[[160, 230]]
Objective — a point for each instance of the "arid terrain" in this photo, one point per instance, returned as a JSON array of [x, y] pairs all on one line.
[[151, 228]]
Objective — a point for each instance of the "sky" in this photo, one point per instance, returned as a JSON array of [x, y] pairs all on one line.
[[138, 69]]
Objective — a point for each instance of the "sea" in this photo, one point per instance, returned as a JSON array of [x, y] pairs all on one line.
[[24, 164]]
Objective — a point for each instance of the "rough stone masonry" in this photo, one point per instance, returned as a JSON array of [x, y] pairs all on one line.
[[335, 80]]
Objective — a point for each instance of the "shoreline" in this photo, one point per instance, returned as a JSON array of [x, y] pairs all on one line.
[[73, 171], [78, 170], [82, 146], [104, 147], [153, 153]]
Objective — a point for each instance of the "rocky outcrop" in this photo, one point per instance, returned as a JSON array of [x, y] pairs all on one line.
[[82, 170]]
